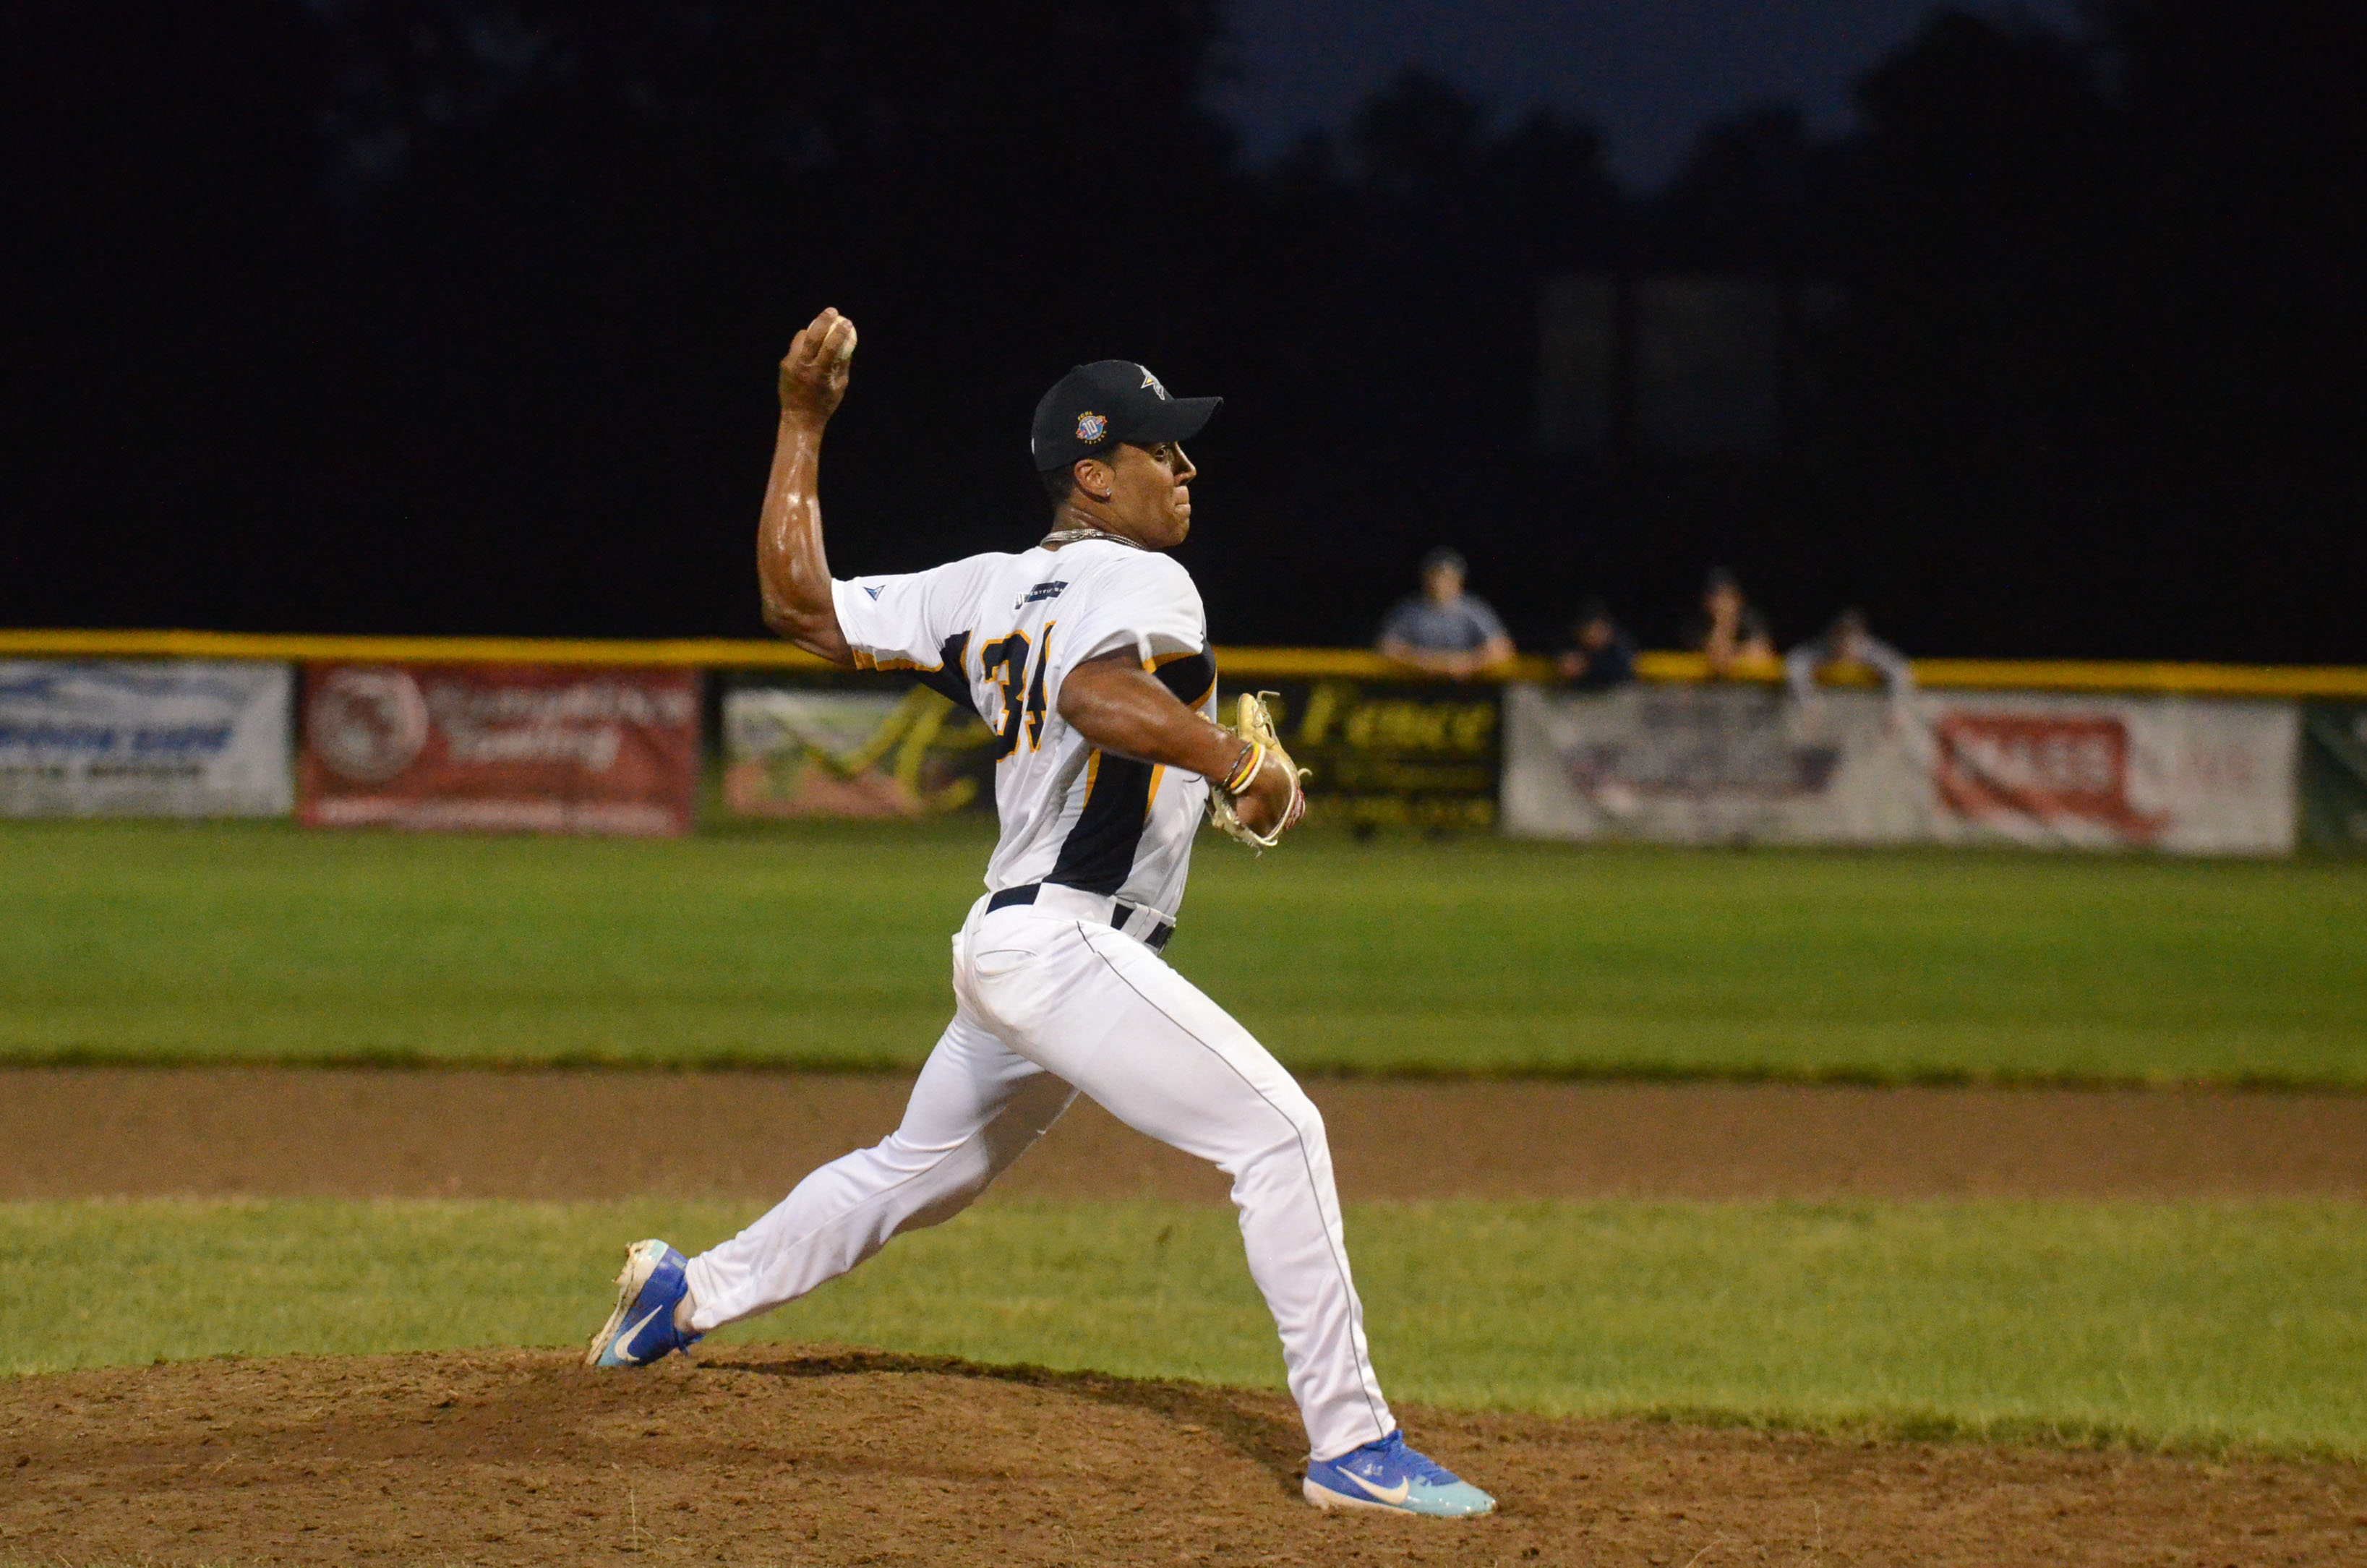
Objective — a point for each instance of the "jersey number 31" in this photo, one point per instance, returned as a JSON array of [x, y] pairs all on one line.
[[1005, 662]]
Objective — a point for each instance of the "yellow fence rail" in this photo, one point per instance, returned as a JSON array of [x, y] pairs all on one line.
[[1239, 663]]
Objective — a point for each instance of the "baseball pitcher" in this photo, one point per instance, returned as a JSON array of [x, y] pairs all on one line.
[[1087, 656]]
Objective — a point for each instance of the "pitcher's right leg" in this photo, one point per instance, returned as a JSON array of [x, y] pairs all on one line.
[[976, 1107]]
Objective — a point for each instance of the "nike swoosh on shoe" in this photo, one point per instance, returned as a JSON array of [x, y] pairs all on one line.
[[1393, 1496], [624, 1341]]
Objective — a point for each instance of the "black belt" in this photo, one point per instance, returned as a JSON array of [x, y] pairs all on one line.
[[1120, 912]]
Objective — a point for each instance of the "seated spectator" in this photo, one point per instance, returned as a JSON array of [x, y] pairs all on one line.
[[1846, 645], [1601, 654], [1729, 631], [1442, 630]]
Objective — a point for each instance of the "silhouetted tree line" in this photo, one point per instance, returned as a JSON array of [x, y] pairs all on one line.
[[457, 315]]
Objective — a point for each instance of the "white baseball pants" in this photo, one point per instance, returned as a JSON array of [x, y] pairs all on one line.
[[1049, 997]]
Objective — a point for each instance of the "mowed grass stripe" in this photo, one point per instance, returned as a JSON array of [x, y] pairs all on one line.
[[827, 947], [2186, 1326]]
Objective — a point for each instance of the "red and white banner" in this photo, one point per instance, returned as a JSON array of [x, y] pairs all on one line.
[[1723, 764], [499, 747]]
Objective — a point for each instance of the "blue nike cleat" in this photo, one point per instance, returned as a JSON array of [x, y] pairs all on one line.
[[641, 1329], [1396, 1479]]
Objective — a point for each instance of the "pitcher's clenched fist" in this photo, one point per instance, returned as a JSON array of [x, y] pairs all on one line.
[[814, 371]]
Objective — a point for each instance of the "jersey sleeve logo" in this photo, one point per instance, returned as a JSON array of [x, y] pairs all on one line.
[[873, 591]]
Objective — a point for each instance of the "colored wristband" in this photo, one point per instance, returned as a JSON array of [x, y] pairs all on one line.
[[1244, 769]]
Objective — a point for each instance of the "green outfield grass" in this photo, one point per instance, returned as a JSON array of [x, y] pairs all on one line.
[[826, 946], [2182, 1326]]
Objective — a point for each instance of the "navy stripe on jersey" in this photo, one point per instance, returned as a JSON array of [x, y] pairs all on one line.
[[1098, 855], [1191, 676], [950, 680]]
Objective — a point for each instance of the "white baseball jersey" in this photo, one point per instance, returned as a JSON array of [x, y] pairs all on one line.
[[999, 633]]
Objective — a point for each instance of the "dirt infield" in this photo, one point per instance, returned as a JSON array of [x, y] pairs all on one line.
[[783, 1456], [81, 1132]]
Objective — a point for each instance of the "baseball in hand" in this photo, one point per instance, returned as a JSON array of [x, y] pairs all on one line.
[[814, 373]]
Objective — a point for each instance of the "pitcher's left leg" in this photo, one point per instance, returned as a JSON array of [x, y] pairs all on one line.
[[1176, 1065], [1102, 1012]]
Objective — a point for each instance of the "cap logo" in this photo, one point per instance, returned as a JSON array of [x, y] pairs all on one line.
[[1152, 382], [1091, 429]]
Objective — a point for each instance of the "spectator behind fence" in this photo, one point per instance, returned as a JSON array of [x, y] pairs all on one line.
[[1846, 645], [1442, 630], [1730, 631], [1601, 654]]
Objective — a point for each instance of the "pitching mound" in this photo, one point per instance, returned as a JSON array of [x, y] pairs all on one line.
[[798, 1455]]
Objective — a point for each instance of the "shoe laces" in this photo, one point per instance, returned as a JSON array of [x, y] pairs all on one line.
[[1395, 1451]]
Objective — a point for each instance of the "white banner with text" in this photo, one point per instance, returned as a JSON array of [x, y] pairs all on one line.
[[1749, 764], [144, 737]]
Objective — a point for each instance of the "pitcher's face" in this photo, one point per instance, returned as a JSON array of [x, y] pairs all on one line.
[[1150, 496]]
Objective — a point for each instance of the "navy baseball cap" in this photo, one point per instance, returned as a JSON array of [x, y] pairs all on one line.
[[1110, 400]]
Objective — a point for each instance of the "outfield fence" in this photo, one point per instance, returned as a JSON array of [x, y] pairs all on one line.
[[616, 737]]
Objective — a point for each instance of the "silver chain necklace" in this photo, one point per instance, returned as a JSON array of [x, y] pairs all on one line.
[[1077, 536]]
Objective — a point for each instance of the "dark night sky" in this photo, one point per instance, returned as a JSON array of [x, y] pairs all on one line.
[[2087, 386], [1648, 72]]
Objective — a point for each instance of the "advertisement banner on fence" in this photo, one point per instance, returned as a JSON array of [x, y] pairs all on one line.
[[143, 738], [814, 751], [1389, 754], [500, 748], [1384, 753], [1747, 764]]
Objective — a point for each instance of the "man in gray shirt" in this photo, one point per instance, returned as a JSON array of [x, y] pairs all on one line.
[[1845, 645], [1442, 630]]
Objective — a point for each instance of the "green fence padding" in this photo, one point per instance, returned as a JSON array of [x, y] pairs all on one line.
[[2334, 777]]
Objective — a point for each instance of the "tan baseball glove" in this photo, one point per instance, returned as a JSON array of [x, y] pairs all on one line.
[[1254, 725]]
